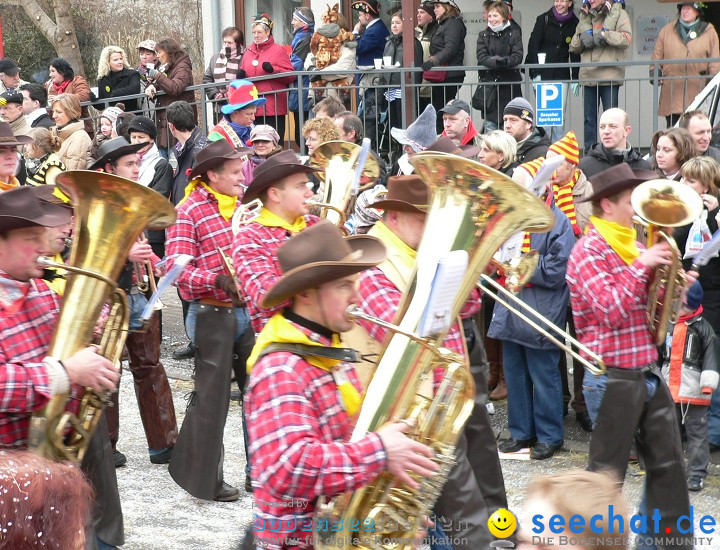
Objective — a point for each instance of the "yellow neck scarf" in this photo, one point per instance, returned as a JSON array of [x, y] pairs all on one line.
[[226, 203], [279, 330], [400, 259], [270, 219], [12, 183], [622, 239]]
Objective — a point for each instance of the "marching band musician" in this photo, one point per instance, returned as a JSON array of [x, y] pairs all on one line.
[[217, 321], [380, 289], [609, 274], [29, 378], [281, 183], [300, 404], [154, 396]]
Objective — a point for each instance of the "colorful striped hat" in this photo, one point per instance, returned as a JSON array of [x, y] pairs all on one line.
[[567, 147]]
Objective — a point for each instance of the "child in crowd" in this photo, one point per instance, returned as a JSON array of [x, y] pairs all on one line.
[[689, 366], [107, 121]]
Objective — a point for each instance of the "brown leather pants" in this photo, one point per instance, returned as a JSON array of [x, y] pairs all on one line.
[[152, 390]]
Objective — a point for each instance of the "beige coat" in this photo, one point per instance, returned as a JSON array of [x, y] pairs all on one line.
[[618, 41], [74, 145], [676, 95]]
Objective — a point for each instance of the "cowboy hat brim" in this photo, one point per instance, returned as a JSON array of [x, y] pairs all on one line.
[[18, 140], [265, 179], [619, 186], [227, 109], [116, 154], [47, 214], [208, 164], [313, 275], [398, 206]]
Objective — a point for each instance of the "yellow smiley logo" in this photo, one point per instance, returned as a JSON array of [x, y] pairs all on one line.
[[502, 523]]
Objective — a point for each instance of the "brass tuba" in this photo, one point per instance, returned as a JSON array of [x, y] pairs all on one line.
[[661, 204], [337, 162], [110, 213], [475, 209]]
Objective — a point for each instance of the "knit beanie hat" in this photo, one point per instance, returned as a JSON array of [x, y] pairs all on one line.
[[694, 296], [144, 125], [111, 113], [567, 147], [428, 7], [521, 108]]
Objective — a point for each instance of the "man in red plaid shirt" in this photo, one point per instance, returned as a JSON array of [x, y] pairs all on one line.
[[28, 377], [217, 321], [281, 185], [609, 274], [302, 396], [468, 495]]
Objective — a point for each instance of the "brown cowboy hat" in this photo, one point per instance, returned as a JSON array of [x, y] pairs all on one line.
[[405, 194], [7, 137], [281, 165], [318, 255], [53, 195], [214, 155], [616, 179], [447, 145], [25, 207], [113, 149]]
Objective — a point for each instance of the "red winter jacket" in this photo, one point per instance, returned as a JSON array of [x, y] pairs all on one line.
[[278, 57]]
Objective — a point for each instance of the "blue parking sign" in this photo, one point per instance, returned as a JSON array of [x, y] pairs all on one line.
[[549, 97]]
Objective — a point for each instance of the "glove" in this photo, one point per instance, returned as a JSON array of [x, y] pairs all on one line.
[[575, 87], [227, 285], [267, 67], [315, 77], [586, 39], [152, 73], [427, 65], [599, 40], [241, 74]]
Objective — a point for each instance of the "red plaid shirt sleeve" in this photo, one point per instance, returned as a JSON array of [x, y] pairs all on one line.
[[299, 450], [24, 383], [199, 231], [609, 299]]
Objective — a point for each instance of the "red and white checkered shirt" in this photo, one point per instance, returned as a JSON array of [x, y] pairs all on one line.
[[254, 254], [199, 231], [381, 298], [299, 431], [24, 340], [609, 300]]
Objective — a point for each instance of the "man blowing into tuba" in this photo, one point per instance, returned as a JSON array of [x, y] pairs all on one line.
[[28, 377], [302, 396], [609, 274]]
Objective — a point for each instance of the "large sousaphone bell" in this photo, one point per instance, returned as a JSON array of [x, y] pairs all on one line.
[[110, 213]]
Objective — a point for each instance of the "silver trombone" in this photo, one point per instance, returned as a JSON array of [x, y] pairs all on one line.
[[596, 368]]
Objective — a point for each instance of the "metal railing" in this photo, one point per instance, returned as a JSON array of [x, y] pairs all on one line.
[[639, 95]]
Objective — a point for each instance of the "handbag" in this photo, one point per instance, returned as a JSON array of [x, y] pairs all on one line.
[[485, 97], [434, 76]]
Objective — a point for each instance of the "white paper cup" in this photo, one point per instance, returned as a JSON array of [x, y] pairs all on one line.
[[378, 63], [541, 58], [387, 61]]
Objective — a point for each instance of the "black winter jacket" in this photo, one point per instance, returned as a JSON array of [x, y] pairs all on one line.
[[394, 49], [118, 84], [598, 159], [447, 46], [533, 147], [186, 161], [499, 52], [552, 38]]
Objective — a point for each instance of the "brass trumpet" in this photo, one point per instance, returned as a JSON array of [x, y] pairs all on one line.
[[665, 204]]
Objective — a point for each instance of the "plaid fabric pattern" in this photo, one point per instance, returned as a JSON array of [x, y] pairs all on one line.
[[608, 299], [298, 431], [199, 231], [379, 297], [24, 339], [254, 254]]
